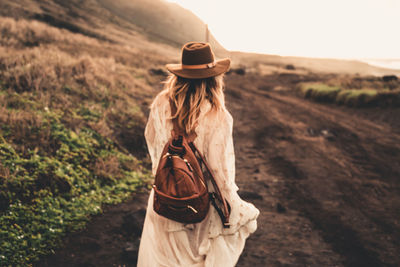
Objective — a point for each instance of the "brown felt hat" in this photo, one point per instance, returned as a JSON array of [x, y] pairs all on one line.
[[198, 62]]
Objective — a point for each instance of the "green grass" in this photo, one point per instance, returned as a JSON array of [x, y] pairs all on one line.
[[320, 92], [46, 194], [350, 97], [357, 97]]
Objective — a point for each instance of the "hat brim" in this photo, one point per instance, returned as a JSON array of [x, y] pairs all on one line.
[[220, 67]]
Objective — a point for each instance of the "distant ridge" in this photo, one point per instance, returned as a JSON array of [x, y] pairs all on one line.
[[383, 63], [323, 65], [162, 21], [157, 20]]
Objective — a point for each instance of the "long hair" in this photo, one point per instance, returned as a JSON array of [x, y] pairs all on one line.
[[189, 95]]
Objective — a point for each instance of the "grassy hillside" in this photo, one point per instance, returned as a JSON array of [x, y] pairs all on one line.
[[71, 131]]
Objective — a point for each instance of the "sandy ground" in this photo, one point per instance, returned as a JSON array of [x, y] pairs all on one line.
[[325, 178]]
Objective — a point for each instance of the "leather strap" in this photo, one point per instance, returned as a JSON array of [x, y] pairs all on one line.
[[200, 66], [225, 213]]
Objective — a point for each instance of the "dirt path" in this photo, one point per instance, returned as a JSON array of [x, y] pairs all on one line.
[[327, 183]]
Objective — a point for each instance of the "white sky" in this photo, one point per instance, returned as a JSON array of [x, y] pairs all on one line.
[[311, 28]]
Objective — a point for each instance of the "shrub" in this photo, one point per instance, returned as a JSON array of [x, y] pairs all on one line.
[[320, 92], [351, 97], [357, 97], [389, 98]]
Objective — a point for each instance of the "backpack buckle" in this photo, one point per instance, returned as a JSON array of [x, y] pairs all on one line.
[[227, 225]]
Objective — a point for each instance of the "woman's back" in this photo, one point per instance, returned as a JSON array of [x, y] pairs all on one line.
[[165, 242]]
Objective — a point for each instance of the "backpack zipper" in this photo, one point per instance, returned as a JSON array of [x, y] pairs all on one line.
[[193, 209], [188, 164]]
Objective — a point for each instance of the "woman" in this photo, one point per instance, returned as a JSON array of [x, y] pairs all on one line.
[[196, 88]]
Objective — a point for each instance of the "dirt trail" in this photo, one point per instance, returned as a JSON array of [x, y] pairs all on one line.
[[326, 180]]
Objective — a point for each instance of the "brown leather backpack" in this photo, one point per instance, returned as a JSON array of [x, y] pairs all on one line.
[[181, 191]]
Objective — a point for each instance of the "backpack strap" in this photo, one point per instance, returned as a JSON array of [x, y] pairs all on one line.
[[223, 213]]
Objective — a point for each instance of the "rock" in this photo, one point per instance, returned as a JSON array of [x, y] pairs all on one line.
[[290, 67], [311, 132], [240, 71], [280, 208], [388, 78], [159, 72], [249, 195], [327, 134]]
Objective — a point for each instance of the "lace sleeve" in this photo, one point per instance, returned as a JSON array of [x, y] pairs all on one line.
[[157, 129], [220, 154]]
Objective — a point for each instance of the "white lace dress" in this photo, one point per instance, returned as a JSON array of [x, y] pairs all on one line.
[[165, 242]]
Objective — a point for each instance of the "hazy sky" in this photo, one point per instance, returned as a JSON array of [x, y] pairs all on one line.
[[311, 28]]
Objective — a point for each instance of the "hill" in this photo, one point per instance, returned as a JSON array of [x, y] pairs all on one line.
[[268, 64], [174, 24], [123, 21]]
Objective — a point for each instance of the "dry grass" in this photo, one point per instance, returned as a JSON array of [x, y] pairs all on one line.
[[50, 70], [91, 83], [25, 130], [24, 33], [107, 168]]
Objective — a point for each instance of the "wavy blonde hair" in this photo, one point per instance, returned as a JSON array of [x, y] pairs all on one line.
[[189, 95]]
